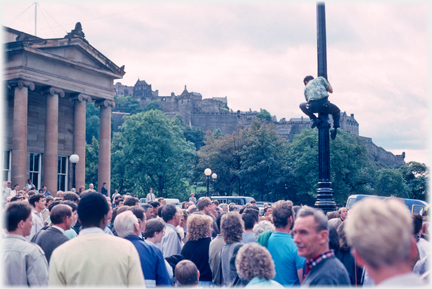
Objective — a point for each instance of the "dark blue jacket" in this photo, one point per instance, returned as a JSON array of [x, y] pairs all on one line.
[[152, 261]]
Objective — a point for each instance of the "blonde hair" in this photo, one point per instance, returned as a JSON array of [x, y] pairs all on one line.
[[380, 231], [254, 260], [198, 227]]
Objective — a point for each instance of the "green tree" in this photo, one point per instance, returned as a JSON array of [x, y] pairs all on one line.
[[390, 182], [193, 134], [416, 176], [154, 104], [151, 151], [351, 170], [92, 123], [126, 103], [92, 163], [264, 115]]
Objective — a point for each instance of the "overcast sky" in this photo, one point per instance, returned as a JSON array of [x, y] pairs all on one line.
[[258, 54]]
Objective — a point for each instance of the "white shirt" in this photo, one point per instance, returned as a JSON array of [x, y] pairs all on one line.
[[150, 197], [38, 224]]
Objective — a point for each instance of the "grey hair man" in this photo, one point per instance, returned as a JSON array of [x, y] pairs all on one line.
[[311, 236], [148, 211], [380, 235], [171, 243]]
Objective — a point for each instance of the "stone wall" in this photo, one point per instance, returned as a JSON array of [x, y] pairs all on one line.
[[380, 155]]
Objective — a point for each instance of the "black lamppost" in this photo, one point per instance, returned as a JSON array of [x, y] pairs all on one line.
[[214, 176], [325, 192], [74, 159], [207, 173]]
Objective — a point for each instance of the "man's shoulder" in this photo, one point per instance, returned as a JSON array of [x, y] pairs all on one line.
[[24, 247]]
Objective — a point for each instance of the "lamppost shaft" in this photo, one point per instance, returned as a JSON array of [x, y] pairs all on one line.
[[208, 179], [73, 177], [325, 193]]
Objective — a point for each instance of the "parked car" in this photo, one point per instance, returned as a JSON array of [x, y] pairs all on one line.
[[415, 206], [238, 200], [142, 201]]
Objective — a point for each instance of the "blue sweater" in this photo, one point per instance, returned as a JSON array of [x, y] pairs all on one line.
[[152, 262]]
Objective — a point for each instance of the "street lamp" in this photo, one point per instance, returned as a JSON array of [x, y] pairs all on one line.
[[74, 159], [207, 172], [214, 176]]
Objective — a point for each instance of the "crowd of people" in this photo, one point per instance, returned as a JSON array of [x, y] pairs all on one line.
[[85, 238]]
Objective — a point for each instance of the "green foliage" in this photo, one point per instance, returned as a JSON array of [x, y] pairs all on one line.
[[126, 104], [151, 151], [264, 115], [248, 162], [218, 133], [194, 135], [351, 170], [92, 163], [154, 104], [390, 182], [92, 123], [416, 176]]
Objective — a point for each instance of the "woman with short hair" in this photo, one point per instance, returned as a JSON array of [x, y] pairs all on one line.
[[255, 264], [197, 247]]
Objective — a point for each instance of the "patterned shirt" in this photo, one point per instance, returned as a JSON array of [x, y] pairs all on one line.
[[316, 89], [313, 262]]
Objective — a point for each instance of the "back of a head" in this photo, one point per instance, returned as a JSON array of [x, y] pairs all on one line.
[[152, 226], [281, 211], [186, 273], [138, 212], [59, 213], [69, 196], [203, 202], [307, 79], [232, 227], [417, 223], [380, 231], [249, 220], [218, 220], [168, 212], [155, 204], [91, 209], [53, 204], [254, 260], [125, 223], [130, 201], [147, 207], [14, 213]]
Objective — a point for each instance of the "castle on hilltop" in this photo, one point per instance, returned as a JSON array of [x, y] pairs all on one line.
[[214, 113]]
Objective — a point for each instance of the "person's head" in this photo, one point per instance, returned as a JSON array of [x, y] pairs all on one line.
[[16, 198], [199, 227], [170, 215], [44, 188], [283, 214], [249, 219], [60, 194], [93, 210], [307, 79], [8, 183], [61, 215], [70, 196], [263, 226], [192, 209], [131, 201], [310, 232], [343, 213], [91, 186], [38, 202], [332, 215], [183, 218], [267, 211], [232, 208], [253, 202], [74, 208], [154, 230], [186, 273], [104, 184], [81, 189], [155, 206], [219, 219], [49, 200], [254, 260], [15, 187], [161, 201], [232, 227], [204, 204], [417, 224], [148, 210], [185, 205], [380, 232], [140, 214], [29, 181], [26, 190], [119, 201], [223, 207], [192, 195], [18, 218], [126, 223]]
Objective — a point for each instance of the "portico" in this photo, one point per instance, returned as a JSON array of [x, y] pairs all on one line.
[[49, 83]]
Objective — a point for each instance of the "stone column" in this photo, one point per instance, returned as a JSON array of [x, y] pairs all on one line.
[[104, 167], [19, 127], [79, 144], [50, 164]]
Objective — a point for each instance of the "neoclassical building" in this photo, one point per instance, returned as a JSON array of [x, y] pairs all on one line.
[[47, 85]]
